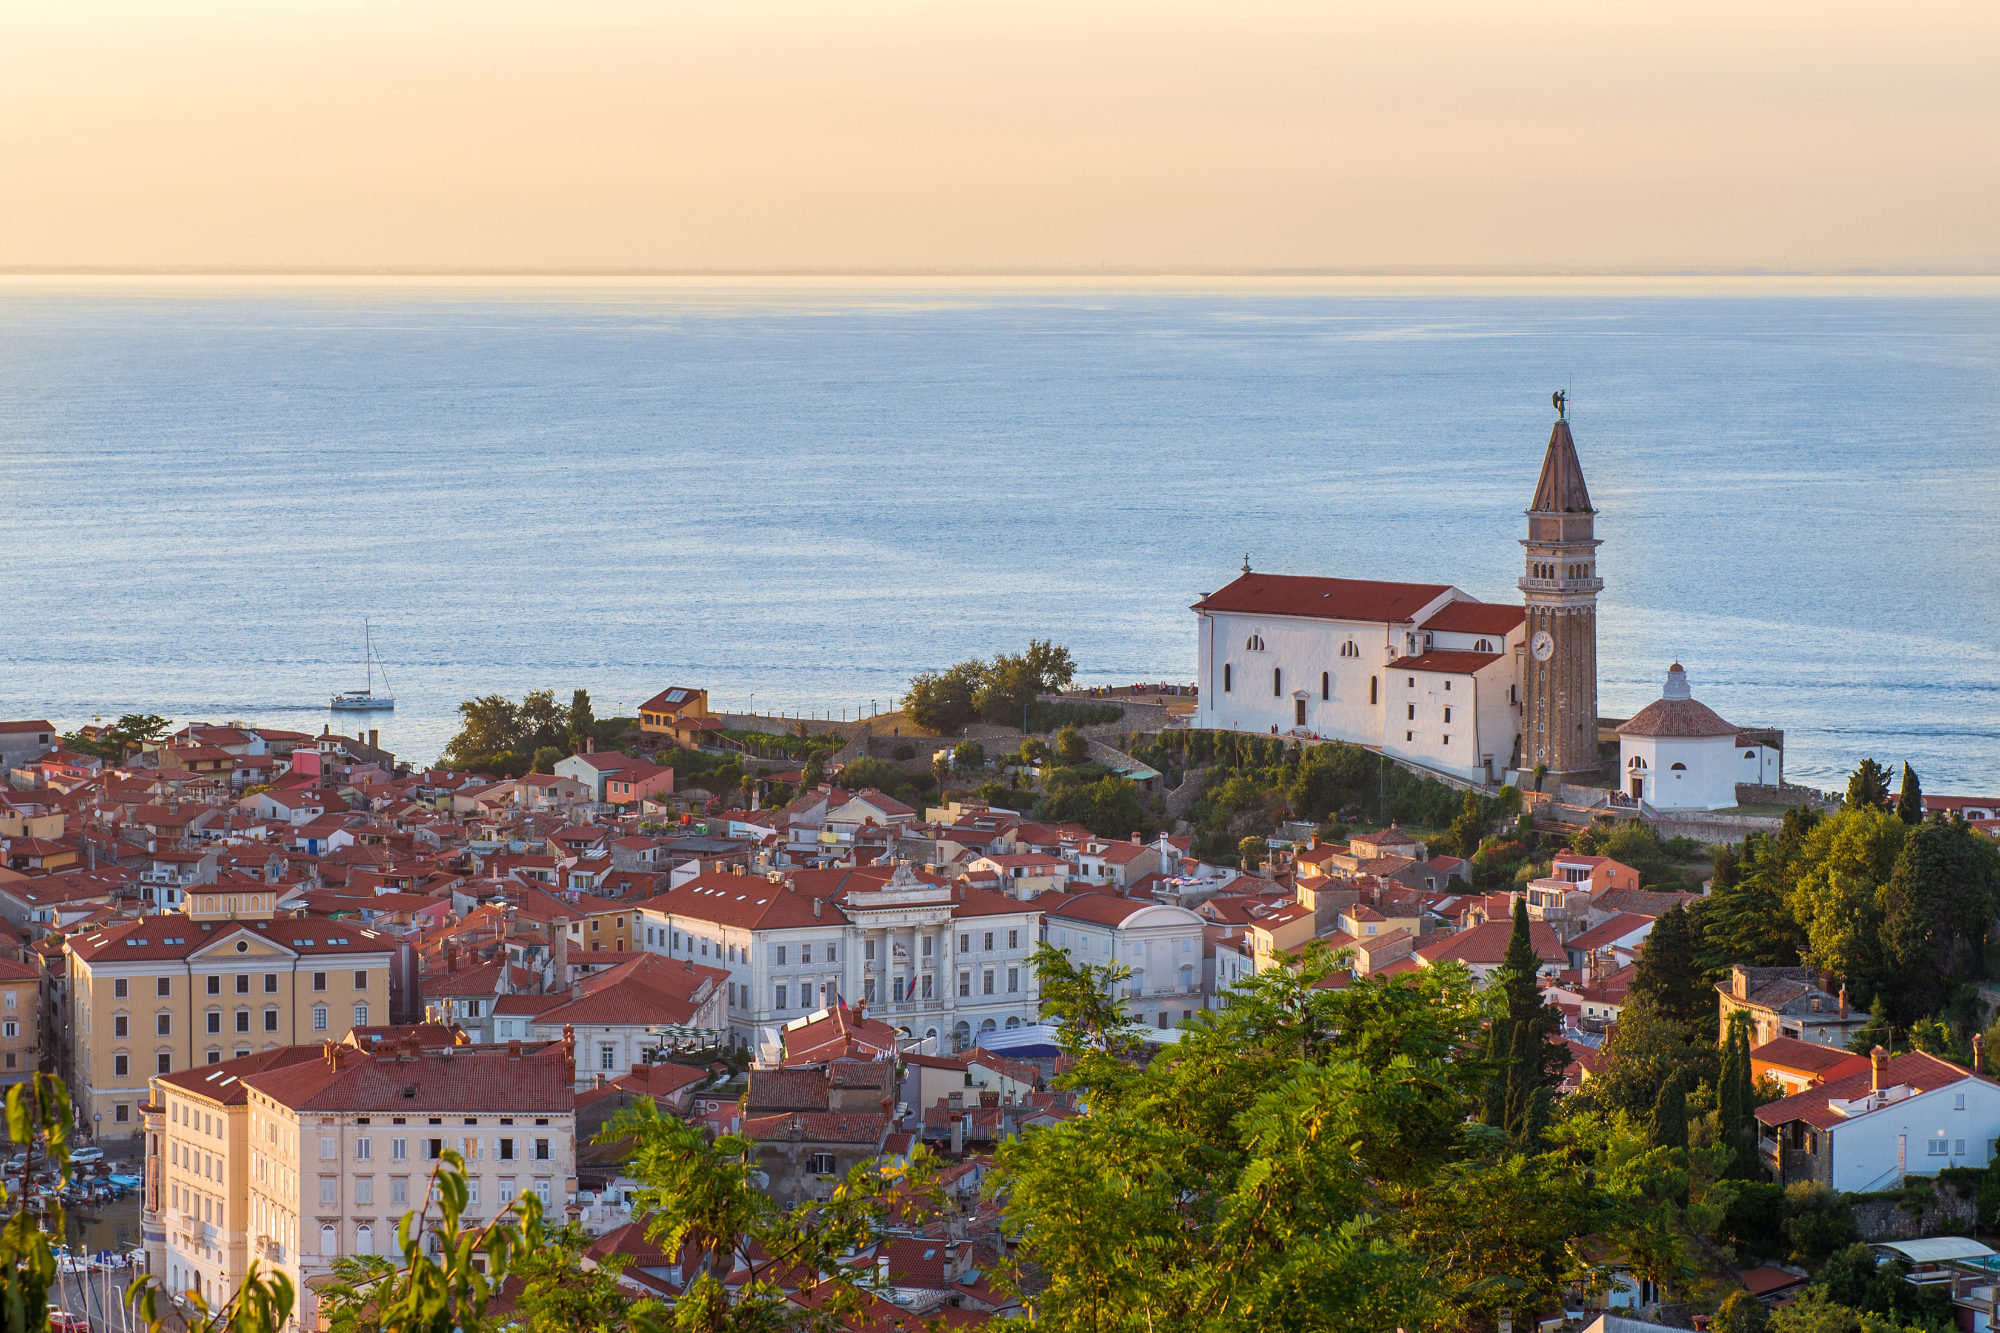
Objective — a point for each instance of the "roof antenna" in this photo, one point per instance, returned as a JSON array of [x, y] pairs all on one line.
[[1246, 562]]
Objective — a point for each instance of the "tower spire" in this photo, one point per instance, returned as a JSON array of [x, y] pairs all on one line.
[[1561, 489]]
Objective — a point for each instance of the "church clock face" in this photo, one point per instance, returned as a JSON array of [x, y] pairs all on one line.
[[1543, 646]]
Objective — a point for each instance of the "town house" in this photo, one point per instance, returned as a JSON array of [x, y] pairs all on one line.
[[1906, 1115], [1161, 944], [342, 1146], [220, 980]]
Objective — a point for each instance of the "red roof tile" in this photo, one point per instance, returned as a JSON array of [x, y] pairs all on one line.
[[1469, 617], [1324, 599]]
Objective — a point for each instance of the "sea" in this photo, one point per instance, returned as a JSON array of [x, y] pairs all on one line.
[[797, 492]]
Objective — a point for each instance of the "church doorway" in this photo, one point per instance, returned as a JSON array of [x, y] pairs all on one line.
[[1299, 711], [1638, 788]]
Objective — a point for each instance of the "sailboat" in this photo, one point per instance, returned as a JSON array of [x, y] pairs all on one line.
[[355, 701]]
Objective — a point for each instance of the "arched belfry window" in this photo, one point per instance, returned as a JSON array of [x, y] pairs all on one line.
[[1255, 643]]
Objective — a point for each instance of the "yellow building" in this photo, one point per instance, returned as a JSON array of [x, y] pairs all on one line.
[[342, 1146], [196, 1204], [220, 980], [20, 1020], [675, 704]]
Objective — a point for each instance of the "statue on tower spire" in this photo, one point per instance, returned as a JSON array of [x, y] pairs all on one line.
[[1561, 401]]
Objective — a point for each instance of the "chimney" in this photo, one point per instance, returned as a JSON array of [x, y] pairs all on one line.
[[514, 1048], [374, 737], [1978, 1053], [576, 989], [957, 1135], [559, 951], [951, 1260], [1739, 981], [1135, 840], [600, 1078], [1843, 999], [882, 1270], [569, 1054], [1878, 1068], [590, 744], [815, 908], [450, 957]]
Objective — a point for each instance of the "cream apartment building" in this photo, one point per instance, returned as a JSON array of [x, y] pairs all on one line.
[[20, 1020], [222, 979], [341, 1146], [196, 1206]]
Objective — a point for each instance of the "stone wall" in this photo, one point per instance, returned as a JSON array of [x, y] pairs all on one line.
[[1183, 796], [1748, 794], [1714, 827], [1949, 1214]]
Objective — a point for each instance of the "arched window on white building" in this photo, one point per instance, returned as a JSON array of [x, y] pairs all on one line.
[[329, 1240]]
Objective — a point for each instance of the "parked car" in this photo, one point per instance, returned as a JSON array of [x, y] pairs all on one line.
[[86, 1157], [62, 1321]]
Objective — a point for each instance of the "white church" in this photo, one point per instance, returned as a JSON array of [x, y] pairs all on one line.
[[1427, 673]]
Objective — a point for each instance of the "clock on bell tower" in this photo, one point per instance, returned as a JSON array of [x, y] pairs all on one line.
[[1559, 586]]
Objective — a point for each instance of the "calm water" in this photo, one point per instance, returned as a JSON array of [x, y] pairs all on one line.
[[800, 492]]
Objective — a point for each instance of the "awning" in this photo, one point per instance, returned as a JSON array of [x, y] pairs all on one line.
[[1933, 1249]]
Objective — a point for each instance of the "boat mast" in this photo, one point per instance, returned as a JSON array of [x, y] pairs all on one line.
[[368, 654]]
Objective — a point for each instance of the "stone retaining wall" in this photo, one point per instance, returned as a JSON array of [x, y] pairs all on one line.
[[1749, 794], [1887, 1219]]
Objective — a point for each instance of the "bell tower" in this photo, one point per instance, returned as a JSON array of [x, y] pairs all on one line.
[[1559, 586]]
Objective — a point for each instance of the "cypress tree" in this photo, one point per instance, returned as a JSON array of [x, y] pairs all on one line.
[[1730, 1099], [1670, 1115], [1910, 800], [1526, 1062], [1667, 973]]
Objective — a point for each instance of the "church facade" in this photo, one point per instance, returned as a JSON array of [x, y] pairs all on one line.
[[1423, 671]]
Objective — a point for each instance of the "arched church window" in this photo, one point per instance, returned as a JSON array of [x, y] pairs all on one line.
[[1326, 684], [1638, 761], [1677, 768], [1255, 643], [1483, 646], [1749, 754], [1277, 681]]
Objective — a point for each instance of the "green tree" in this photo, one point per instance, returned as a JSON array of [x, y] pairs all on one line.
[[491, 723], [1071, 746], [1740, 1312], [1910, 800], [1840, 869], [133, 731], [1877, 1031], [582, 722], [543, 721], [1669, 1128], [863, 773], [1868, 786], [1051, 664], [969, 754], [1936, 911], [1725, 867], [1668, 973], [942, 701], [1250, 853], [815, 771], [548, 757], [1520, 1041], [1820, 1220]]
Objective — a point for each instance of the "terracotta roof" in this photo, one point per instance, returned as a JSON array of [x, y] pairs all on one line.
[[464, 1078], [1324, 599], [1641, 902], [1617, 928], [755, 903], [841, 1034], [818, 1126], [169, 935], [1445, 662], [1470, 617], [1764, 1280], [1104, 909], [1804, 1057], [648, 989], [660, 703], [1561, 489], [1487, 944], [1684, 718], [224, 1082], [1923, 1072]]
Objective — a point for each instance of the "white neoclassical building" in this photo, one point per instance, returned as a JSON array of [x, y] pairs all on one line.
[[1678, 754]]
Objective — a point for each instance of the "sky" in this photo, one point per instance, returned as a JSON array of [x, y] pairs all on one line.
[[964, 135]]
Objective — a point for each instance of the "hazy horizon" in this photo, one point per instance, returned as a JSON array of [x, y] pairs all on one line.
[[888, 137]]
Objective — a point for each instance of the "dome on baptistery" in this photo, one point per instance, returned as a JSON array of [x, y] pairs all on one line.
[[1677, 713]]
